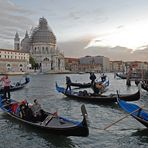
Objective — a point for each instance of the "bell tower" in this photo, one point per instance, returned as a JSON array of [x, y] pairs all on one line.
[[16, 42]]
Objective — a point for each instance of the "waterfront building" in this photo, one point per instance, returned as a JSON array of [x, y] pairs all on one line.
[[90, 68], [117, 66], [42, 46], [72, 64], [13, 61], [96, 60]]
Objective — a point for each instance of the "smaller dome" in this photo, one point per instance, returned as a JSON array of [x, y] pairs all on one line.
[[25, 43]]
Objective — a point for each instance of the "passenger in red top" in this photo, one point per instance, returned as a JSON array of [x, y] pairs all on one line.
[[6, 85]]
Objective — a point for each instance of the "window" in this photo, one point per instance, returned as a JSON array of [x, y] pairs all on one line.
[[47, 50], [8, 65]]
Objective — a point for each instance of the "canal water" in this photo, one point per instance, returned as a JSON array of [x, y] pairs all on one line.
[[127, 133]]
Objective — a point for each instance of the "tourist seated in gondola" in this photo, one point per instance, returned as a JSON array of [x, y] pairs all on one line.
[[19, 108], [83, 93], [18, 84], [103, 77], [68, 83], [38, 112], [98, 87], [22, 109]]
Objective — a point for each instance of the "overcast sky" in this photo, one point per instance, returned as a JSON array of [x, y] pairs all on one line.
[[114, 28]]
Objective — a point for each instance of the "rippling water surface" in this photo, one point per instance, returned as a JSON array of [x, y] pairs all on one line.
[[126, 133]]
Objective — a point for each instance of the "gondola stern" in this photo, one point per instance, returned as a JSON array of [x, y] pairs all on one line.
[[60, 89], [85, 120], [85, 116], [0, 101]]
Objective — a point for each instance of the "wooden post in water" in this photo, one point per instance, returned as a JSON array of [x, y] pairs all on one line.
[[128, 81]]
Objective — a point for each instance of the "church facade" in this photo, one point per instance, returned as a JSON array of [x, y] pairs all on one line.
[[42, 46]]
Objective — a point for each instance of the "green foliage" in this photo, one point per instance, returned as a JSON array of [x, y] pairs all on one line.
[[32, 62]]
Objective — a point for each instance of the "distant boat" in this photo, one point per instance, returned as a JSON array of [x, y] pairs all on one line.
[[81, 72], [16, 85], [121, 75], [14, 73]]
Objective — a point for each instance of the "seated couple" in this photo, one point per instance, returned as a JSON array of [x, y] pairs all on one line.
[[31, 113]]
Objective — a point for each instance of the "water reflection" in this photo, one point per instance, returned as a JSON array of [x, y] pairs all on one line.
[[30, 133], [141, 135], [15, 134]]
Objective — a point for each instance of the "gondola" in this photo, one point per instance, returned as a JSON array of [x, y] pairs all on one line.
[[94, 98], [135, 111], [88, 85], [81, 85], [143, 84], [51, 123], [17, 85], [122, 76]]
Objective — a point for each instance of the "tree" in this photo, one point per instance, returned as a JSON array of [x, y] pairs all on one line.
[[32, 62]]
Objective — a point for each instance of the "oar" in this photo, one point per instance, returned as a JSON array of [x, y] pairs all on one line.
[[123, 118]]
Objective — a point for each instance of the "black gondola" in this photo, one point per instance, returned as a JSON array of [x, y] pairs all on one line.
[[135, 111], [81, 85], [88, 85], [93, 98], [50, 123], [122, 76], [17, 85], [144, 84]]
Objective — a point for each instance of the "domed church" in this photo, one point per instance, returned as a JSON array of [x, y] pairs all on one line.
[[41, 44]]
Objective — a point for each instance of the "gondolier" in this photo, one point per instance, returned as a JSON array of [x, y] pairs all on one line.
[[68, 83], [6, 86], [92, 78], [15, 86]]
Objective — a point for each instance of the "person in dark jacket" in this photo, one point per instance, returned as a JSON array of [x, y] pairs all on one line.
[[92, 78], [68, 83]]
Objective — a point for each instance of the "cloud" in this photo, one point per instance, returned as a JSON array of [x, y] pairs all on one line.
[[13, 18], [118, 53], [77, 48], [74, 48]]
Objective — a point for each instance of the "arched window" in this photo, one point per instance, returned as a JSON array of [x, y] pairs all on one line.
[[21, 65], [46, 59], [47, 50], [35, 50], [43, 51], [8, 67]]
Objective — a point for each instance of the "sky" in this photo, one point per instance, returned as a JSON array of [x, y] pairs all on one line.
[[117, 29]]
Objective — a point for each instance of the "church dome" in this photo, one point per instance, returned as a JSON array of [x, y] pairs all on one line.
[[42, 33]]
